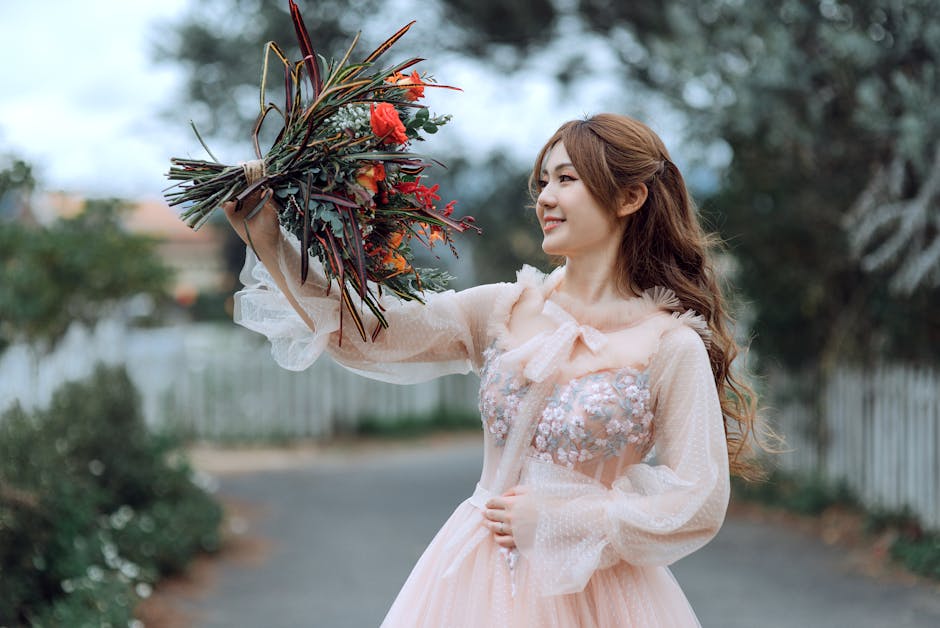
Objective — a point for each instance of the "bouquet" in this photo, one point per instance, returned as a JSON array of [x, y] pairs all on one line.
[[340, 172]]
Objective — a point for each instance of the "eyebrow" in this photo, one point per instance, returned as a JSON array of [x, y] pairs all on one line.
[[559, 167]]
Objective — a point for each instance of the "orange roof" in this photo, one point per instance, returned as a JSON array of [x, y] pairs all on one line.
[[155, 217]]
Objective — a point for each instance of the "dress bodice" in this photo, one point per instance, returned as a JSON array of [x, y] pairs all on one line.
[[595, 412], [597, 417]]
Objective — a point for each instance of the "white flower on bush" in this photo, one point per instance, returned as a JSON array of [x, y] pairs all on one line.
[[130, 570], [95, 573], [121, 517], [204, 481]]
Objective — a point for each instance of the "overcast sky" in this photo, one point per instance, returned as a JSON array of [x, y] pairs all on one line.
[[81, 98], [80, 94]]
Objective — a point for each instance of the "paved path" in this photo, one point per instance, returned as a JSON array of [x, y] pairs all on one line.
[[343, 532]]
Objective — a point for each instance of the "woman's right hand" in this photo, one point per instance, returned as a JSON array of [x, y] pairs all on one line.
[[263, 226]]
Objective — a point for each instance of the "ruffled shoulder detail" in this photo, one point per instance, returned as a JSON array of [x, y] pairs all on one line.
[[666, 299], [696, 322], [531, 277], [662, 298]]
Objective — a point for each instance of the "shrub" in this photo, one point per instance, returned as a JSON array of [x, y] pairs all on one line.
[[93, 507], [808, 494], [920, 554]]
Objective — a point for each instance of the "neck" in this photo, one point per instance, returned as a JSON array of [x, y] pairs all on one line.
[[592, 278]]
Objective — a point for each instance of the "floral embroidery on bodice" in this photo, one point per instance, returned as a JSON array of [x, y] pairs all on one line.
[[561, 374], [500, 396], [596, 415]]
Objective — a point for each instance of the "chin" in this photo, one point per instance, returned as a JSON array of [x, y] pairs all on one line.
[[559, 247], [549, 249]]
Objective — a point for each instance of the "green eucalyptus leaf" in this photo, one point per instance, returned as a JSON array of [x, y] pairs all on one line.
[[336, 225], [287, 190]]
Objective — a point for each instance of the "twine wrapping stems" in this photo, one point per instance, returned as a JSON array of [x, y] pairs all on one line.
[[254, 170]]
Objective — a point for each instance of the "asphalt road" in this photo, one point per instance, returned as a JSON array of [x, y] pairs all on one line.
[[338, 535]]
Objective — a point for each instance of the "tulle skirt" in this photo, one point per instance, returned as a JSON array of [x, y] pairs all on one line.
[[465, 580]]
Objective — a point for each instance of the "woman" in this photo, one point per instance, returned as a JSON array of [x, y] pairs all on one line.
[[611, 415]]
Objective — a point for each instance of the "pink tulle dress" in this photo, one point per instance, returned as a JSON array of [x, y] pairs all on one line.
[[609, 419]]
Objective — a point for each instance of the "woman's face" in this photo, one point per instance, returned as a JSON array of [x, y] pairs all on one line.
[[572, 221]]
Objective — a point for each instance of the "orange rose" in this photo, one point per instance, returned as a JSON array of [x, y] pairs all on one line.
[[369, 176], [392, 257], [414, 84], [398, 262], [394, 240], [386, 124]]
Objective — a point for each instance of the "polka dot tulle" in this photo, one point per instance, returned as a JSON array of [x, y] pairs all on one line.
[[606, 419]]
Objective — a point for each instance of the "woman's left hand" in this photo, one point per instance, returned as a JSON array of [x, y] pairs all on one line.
[[498, 515]]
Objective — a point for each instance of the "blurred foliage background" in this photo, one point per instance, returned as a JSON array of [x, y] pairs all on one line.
[[74, 270], [808, 133], [808, 130]]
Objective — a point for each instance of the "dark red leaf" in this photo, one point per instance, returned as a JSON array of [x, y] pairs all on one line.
[[288, 95], [306, 49], [378, 52], [305, 244], [336, 200], [354, 243]]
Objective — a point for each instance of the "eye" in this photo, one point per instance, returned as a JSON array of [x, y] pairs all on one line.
[[541, 184], [566, 177]]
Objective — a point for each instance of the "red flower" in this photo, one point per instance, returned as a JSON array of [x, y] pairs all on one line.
[[423, 194], [413, 84], [386, 124]]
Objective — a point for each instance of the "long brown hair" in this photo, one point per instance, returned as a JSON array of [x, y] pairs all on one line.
[[663, 245]]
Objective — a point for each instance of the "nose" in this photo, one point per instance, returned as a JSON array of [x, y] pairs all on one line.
[[546, 197]]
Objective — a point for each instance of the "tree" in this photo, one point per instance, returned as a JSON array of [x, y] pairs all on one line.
[[830, 195], [823, 112], [75, 270], [16, 186], [219, 45]]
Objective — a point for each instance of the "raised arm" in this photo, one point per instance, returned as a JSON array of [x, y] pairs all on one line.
[[445, 335]]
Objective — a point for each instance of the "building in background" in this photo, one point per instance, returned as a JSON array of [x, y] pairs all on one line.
[[195, 256]]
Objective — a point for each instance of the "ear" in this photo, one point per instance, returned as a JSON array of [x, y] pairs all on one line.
[[632, 199]]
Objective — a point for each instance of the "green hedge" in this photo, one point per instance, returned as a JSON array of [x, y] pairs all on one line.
[[94, 508]]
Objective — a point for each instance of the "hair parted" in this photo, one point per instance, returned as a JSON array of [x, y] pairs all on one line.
[[663, 244]]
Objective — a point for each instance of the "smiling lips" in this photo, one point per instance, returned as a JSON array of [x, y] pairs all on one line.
[[550, 223]]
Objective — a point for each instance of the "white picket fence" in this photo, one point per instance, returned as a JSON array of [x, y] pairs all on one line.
[[880, 434], [880, 430], [219, 382]]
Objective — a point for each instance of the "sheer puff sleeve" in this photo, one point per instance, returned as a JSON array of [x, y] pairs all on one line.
[[569, 525], [442, 336]]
